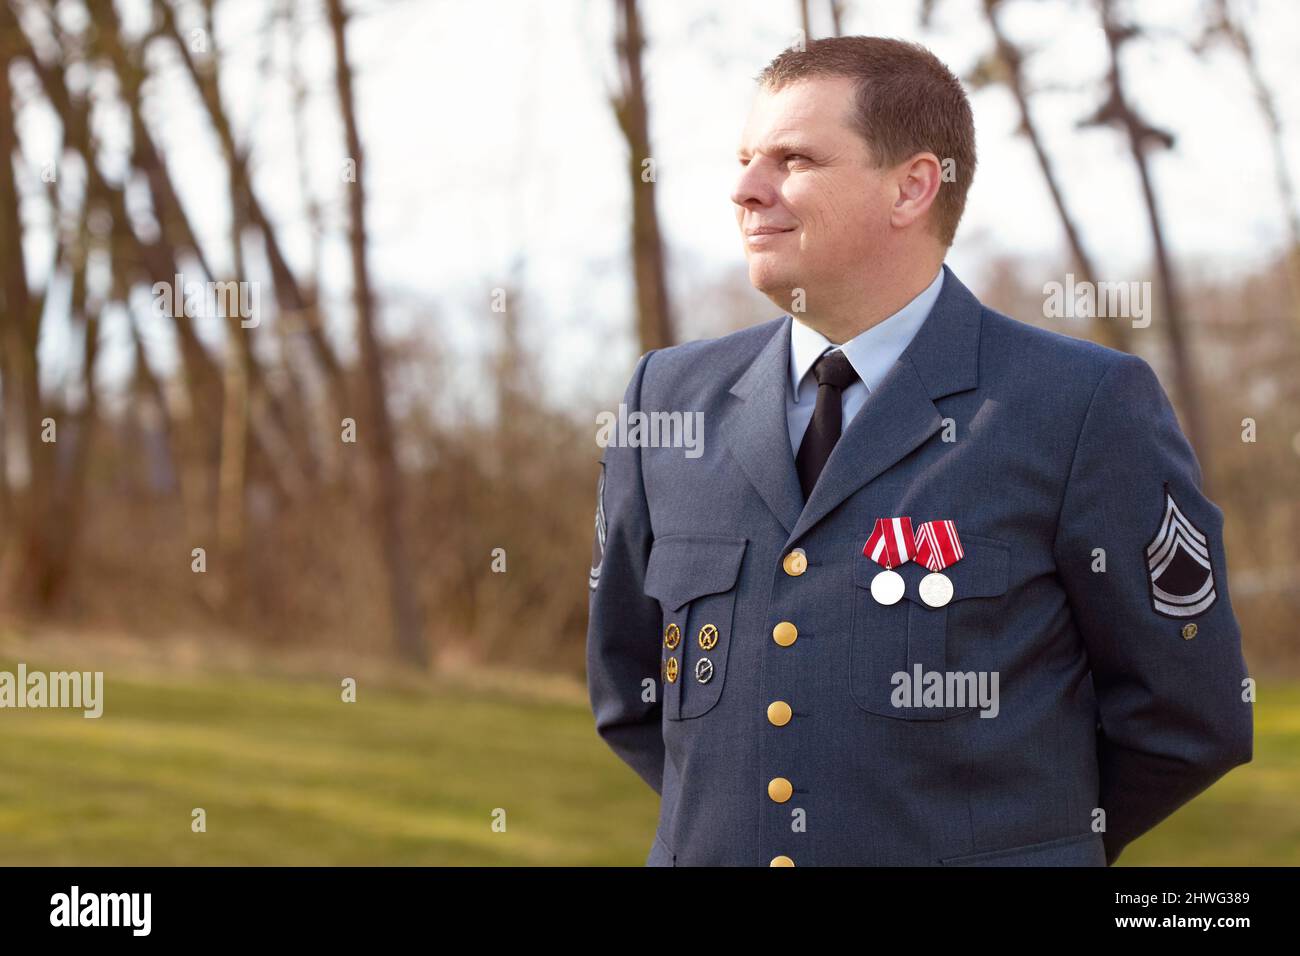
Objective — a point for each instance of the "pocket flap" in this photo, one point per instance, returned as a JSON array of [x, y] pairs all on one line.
[[983, 571], [686, 566]]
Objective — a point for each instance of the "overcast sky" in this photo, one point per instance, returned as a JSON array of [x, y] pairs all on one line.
[[489, 140]]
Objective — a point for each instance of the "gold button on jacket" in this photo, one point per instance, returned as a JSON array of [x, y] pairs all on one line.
[[781, 861], [785, 633], [795, 563], [779, 789], [778, 713]]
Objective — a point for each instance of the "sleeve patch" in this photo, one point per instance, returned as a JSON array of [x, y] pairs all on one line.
[[1179, 573]]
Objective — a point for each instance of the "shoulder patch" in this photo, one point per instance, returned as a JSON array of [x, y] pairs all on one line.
[[598, 542], [1180, 576]]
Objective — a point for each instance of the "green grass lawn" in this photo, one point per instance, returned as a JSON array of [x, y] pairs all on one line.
[[288, 774]]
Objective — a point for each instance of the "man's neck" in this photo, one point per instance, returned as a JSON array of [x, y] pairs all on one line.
[[841, 315]]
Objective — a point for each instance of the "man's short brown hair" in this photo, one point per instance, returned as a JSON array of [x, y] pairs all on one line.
[[907, 102]]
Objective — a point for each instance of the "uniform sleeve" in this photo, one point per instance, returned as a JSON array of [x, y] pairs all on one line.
[[623, 623], [1162, 641]]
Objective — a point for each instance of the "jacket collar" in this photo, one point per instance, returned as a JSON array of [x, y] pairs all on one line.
[[942, 359]]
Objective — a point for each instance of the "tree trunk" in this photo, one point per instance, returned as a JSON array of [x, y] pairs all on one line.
[[1240, 40], [21, 329], [1119, 112], [375, 430], [654, 322], [1110, 332]]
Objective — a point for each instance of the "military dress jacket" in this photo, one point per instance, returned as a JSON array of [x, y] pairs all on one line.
[[738, 661]]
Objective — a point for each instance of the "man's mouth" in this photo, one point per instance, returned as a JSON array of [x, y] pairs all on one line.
[[764, 235]]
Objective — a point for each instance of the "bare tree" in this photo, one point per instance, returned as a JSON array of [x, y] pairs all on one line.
[[1007, 66], [20, 313], [654, 321], [805, 18], [837, 18], [273, 416], [1141, 136], [1224, 23], [403, 602], [72, 477]]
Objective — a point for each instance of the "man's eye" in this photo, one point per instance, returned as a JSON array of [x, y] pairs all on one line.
[[796, 157], [744, 160]]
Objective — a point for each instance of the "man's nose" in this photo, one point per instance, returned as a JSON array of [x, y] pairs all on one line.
[[753, 186]]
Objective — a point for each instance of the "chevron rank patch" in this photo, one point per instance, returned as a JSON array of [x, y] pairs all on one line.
[[1179, 572], [598, 543]]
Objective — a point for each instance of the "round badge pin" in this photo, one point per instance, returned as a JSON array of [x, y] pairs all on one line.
[[708, 637], [887, 587], [935, 589]]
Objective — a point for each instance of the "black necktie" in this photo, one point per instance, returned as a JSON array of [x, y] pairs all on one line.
[[834, 373]]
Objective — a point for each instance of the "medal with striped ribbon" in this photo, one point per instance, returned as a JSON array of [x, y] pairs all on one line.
[[937, 547], [891, 544]]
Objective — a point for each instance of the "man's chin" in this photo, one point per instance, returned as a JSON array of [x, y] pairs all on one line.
[[777, 283]]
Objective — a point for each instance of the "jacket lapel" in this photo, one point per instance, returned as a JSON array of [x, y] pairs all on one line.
[[942, 359], [758, 436]]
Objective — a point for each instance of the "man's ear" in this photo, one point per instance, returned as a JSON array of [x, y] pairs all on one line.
[[918, 180]]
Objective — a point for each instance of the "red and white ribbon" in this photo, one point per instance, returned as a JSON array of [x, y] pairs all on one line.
[[891, 542], [937, 545]]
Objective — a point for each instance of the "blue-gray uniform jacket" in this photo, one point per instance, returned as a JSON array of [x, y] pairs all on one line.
[[738, 661]]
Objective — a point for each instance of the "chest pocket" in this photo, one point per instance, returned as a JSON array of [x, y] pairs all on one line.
[[953, 640], [694, 578]]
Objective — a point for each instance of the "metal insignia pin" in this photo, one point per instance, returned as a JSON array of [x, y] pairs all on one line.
[[708, 637], [704, 670], [672, 635]]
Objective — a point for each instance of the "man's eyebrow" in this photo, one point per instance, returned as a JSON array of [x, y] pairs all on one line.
[[779, 146]]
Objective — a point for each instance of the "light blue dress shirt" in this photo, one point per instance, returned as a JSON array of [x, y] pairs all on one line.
[[871, 353]]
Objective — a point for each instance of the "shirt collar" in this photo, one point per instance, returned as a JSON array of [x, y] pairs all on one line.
[[871, 353]]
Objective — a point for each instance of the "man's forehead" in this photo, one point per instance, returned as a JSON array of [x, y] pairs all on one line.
[[800, 109]]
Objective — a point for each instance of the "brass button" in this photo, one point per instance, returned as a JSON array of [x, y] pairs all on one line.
[[670, 670], [778, 713], [795, 563], [779, 789], [785, 633], [1189, 631], [781, 861], [708, 637], [672, 636]]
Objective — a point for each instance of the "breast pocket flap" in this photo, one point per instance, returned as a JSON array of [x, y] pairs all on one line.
[[983, 571], [684, 567]]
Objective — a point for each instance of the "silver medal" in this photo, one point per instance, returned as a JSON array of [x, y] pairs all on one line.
[[887, 587], [935, 589]]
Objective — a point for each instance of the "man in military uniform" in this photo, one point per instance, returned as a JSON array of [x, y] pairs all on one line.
[[942, 587]]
